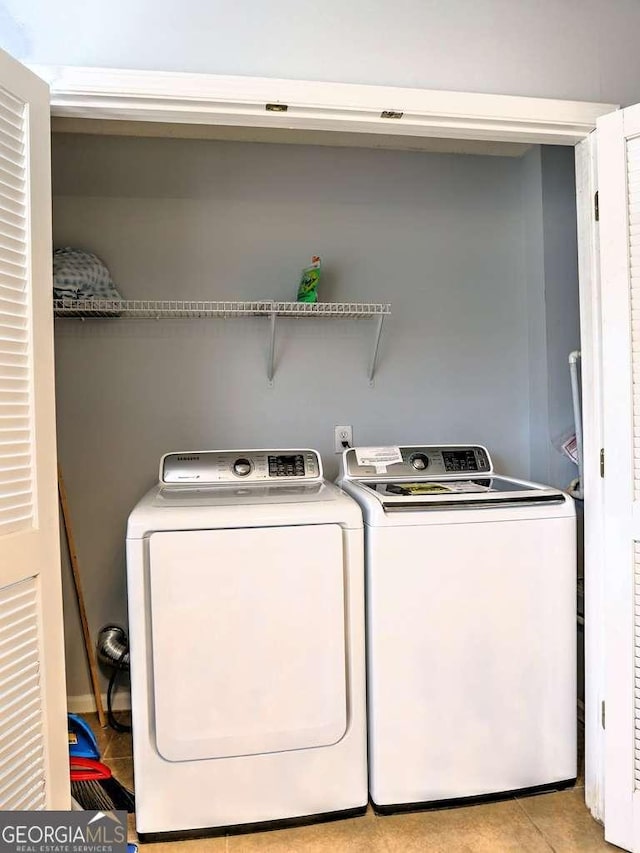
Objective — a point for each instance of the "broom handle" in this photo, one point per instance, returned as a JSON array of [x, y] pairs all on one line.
[[77, 582]]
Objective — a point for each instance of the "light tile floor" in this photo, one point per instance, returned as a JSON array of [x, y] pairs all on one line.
[[547, 822]]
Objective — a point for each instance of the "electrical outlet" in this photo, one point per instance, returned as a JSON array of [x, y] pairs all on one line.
[[342, 438]]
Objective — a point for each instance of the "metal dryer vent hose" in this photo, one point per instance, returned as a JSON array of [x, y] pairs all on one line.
[[113, 647], [113, 651]]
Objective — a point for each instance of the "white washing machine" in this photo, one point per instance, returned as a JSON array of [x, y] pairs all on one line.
[[246, 617], [471, 640]]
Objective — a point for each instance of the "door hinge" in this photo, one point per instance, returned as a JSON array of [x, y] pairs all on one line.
[[602, 461], [602, 715], [596, 206]]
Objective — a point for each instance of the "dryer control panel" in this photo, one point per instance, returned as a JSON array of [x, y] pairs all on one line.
[[424, 462], [217, 467]]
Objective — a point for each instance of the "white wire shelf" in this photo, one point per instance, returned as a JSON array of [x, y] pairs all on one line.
[[143, 309], [170, 309]]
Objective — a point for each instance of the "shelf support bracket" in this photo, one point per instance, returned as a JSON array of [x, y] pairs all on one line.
[[272, 345], [376, 346]]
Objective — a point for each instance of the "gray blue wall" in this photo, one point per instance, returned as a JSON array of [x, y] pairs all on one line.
[[455, 243], [551, 275], [580, 49], [561, 297]]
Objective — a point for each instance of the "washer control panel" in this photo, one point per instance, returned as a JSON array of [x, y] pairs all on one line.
[[424, 463], [217, 467], [468, 459]]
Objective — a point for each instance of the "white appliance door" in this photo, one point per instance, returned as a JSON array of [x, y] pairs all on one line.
[[619, 203], [248, 640], [34, 768]]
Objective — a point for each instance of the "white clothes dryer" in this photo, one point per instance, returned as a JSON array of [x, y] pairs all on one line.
[[471, 637], [246, 619]]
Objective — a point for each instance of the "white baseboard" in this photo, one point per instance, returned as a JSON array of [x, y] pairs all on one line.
[[85, 703]]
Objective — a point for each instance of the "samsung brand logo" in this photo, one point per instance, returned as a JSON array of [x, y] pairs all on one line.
[[187, 458]]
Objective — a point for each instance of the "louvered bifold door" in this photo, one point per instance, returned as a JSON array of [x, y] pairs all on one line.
[[33, 751], [16, 439], [619, 208], [22, 759]]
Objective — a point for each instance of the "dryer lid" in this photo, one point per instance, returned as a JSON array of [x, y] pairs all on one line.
[[237, 495]]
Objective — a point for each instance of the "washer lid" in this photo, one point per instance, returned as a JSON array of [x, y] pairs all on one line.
[[458, 493]]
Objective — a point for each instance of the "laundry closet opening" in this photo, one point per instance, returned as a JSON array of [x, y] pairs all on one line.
[[473, 244]]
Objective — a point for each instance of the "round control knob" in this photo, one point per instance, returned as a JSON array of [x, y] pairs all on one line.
[[419, 461], [242, 467]]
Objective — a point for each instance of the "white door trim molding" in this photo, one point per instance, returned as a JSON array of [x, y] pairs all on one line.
[[176, 97], [593, 441], [346, 110]]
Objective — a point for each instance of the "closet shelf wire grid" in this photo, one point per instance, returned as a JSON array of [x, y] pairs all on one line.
[[169, 309], [143, 309]]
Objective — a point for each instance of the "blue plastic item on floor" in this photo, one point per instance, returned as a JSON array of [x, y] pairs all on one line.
[[82, 741], [132, 848]]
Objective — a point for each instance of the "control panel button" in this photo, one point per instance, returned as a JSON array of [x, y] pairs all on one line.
[[242, 467], [483, 462]]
